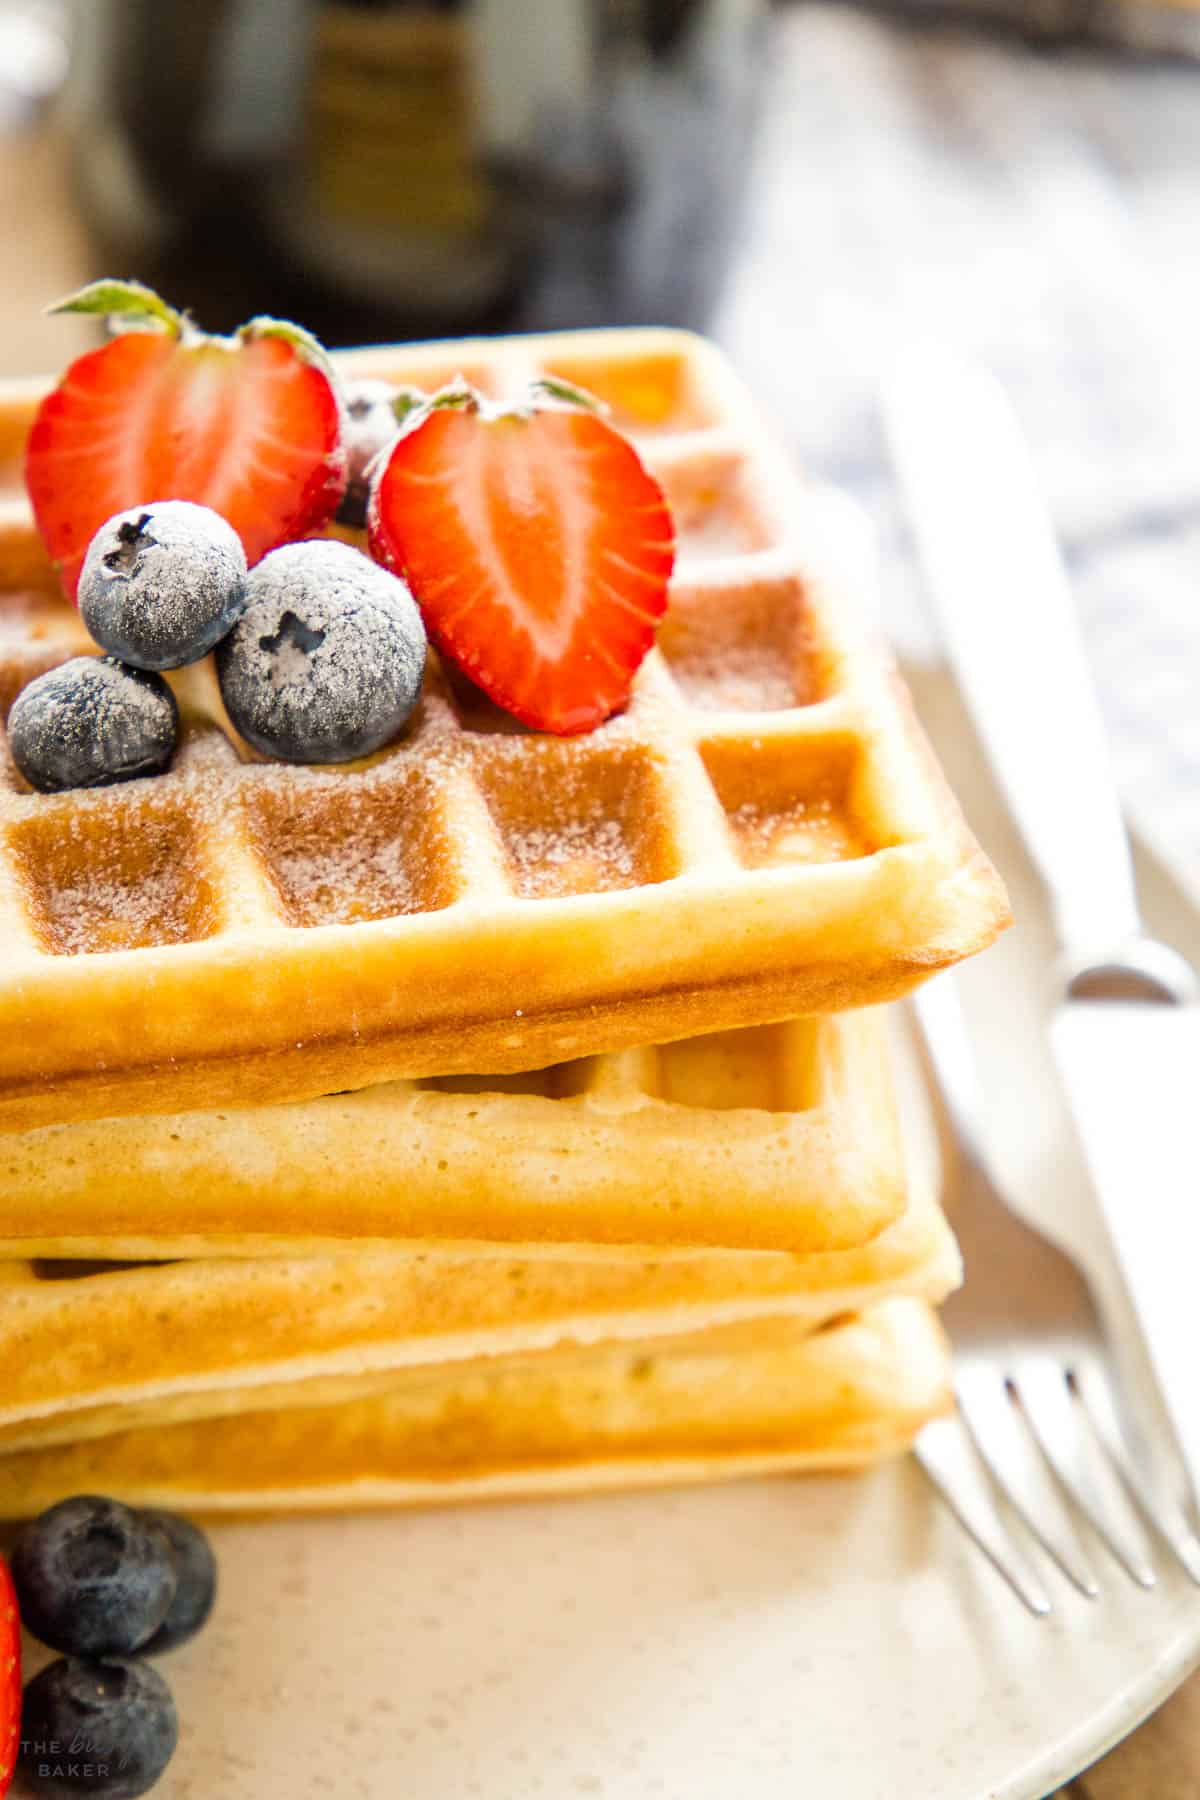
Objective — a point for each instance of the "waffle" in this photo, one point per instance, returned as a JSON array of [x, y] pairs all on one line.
[[762, 833], [778, 1137], [86, 1350], [735, 1400]]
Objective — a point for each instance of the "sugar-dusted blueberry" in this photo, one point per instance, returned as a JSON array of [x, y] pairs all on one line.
[[93, 1577], [96, 1727], [163, 583], [326, 662], [195, 1584], [90, 722], [375, 411]]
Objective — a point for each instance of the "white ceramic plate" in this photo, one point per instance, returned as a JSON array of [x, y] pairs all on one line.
[[794, 1637]]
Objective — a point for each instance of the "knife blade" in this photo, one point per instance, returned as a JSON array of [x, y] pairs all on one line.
[[997, 578], [1129, 1055]]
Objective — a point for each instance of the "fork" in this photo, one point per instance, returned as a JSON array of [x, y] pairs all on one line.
[[1041, 1413]]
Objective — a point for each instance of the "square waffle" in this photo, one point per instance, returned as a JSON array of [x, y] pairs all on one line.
[[775, 1137], [735, 1400], [206, 1331], [762, 833]]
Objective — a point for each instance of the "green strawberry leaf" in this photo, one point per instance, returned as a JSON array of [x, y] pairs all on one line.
[[406, 400], [457, 396], [309, 348], [125, 300], [554, 388], [411, 407]]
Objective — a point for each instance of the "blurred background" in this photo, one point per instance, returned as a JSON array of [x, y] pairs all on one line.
[[815, 184]]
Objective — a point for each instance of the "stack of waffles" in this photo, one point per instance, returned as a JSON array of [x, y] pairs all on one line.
[[500, 1114]]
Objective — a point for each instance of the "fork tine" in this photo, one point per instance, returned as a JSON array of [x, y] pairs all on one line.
[[1062, 1431], [944, 1453], [1014, 1461], [1161, 1512]]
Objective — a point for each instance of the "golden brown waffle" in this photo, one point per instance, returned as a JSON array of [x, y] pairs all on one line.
[[762, 833], [90, 1350], [732, 1401], [778, 1137]]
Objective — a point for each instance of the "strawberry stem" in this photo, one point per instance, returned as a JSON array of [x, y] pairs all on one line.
[[405, 401], [308, 347], [555, 388], [124, 300], [457, 396]]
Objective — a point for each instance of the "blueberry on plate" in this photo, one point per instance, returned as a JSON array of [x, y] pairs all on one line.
[[375, 411], [163, 583], [106, 1727], [327, 660], [90, 722], [195, 1585], [93, 1577]]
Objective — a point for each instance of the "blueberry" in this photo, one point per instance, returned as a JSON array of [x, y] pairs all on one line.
[[105, 1727], [196, 1581], [374, 413], [327, 660], [163, 583], [90, 722], [93, 1577]]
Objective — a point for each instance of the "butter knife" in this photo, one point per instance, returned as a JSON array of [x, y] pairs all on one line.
[[1126, 1029]]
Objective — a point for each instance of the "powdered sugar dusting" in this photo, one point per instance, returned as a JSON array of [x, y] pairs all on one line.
[[576, 816], [112, 879], [742, 648], [711, 523], [338, 886], [737, 678], [30, 615], [346, 855], [806, 830], [578, 856], [101, 911]]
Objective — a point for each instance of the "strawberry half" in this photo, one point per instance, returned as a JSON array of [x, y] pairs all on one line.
[[10, 1679], [250, 425], [536, 544]]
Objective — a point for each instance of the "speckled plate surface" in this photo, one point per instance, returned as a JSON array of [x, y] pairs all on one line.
[[794, 1637]]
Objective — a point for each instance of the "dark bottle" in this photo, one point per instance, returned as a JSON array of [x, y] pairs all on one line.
[[383, 168], [387, 195]]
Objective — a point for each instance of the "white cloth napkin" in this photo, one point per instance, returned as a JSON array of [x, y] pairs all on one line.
[[1040, 212]]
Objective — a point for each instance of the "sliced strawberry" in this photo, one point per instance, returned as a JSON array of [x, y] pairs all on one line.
[[10, 1679], [249, 425], [537, 546]]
